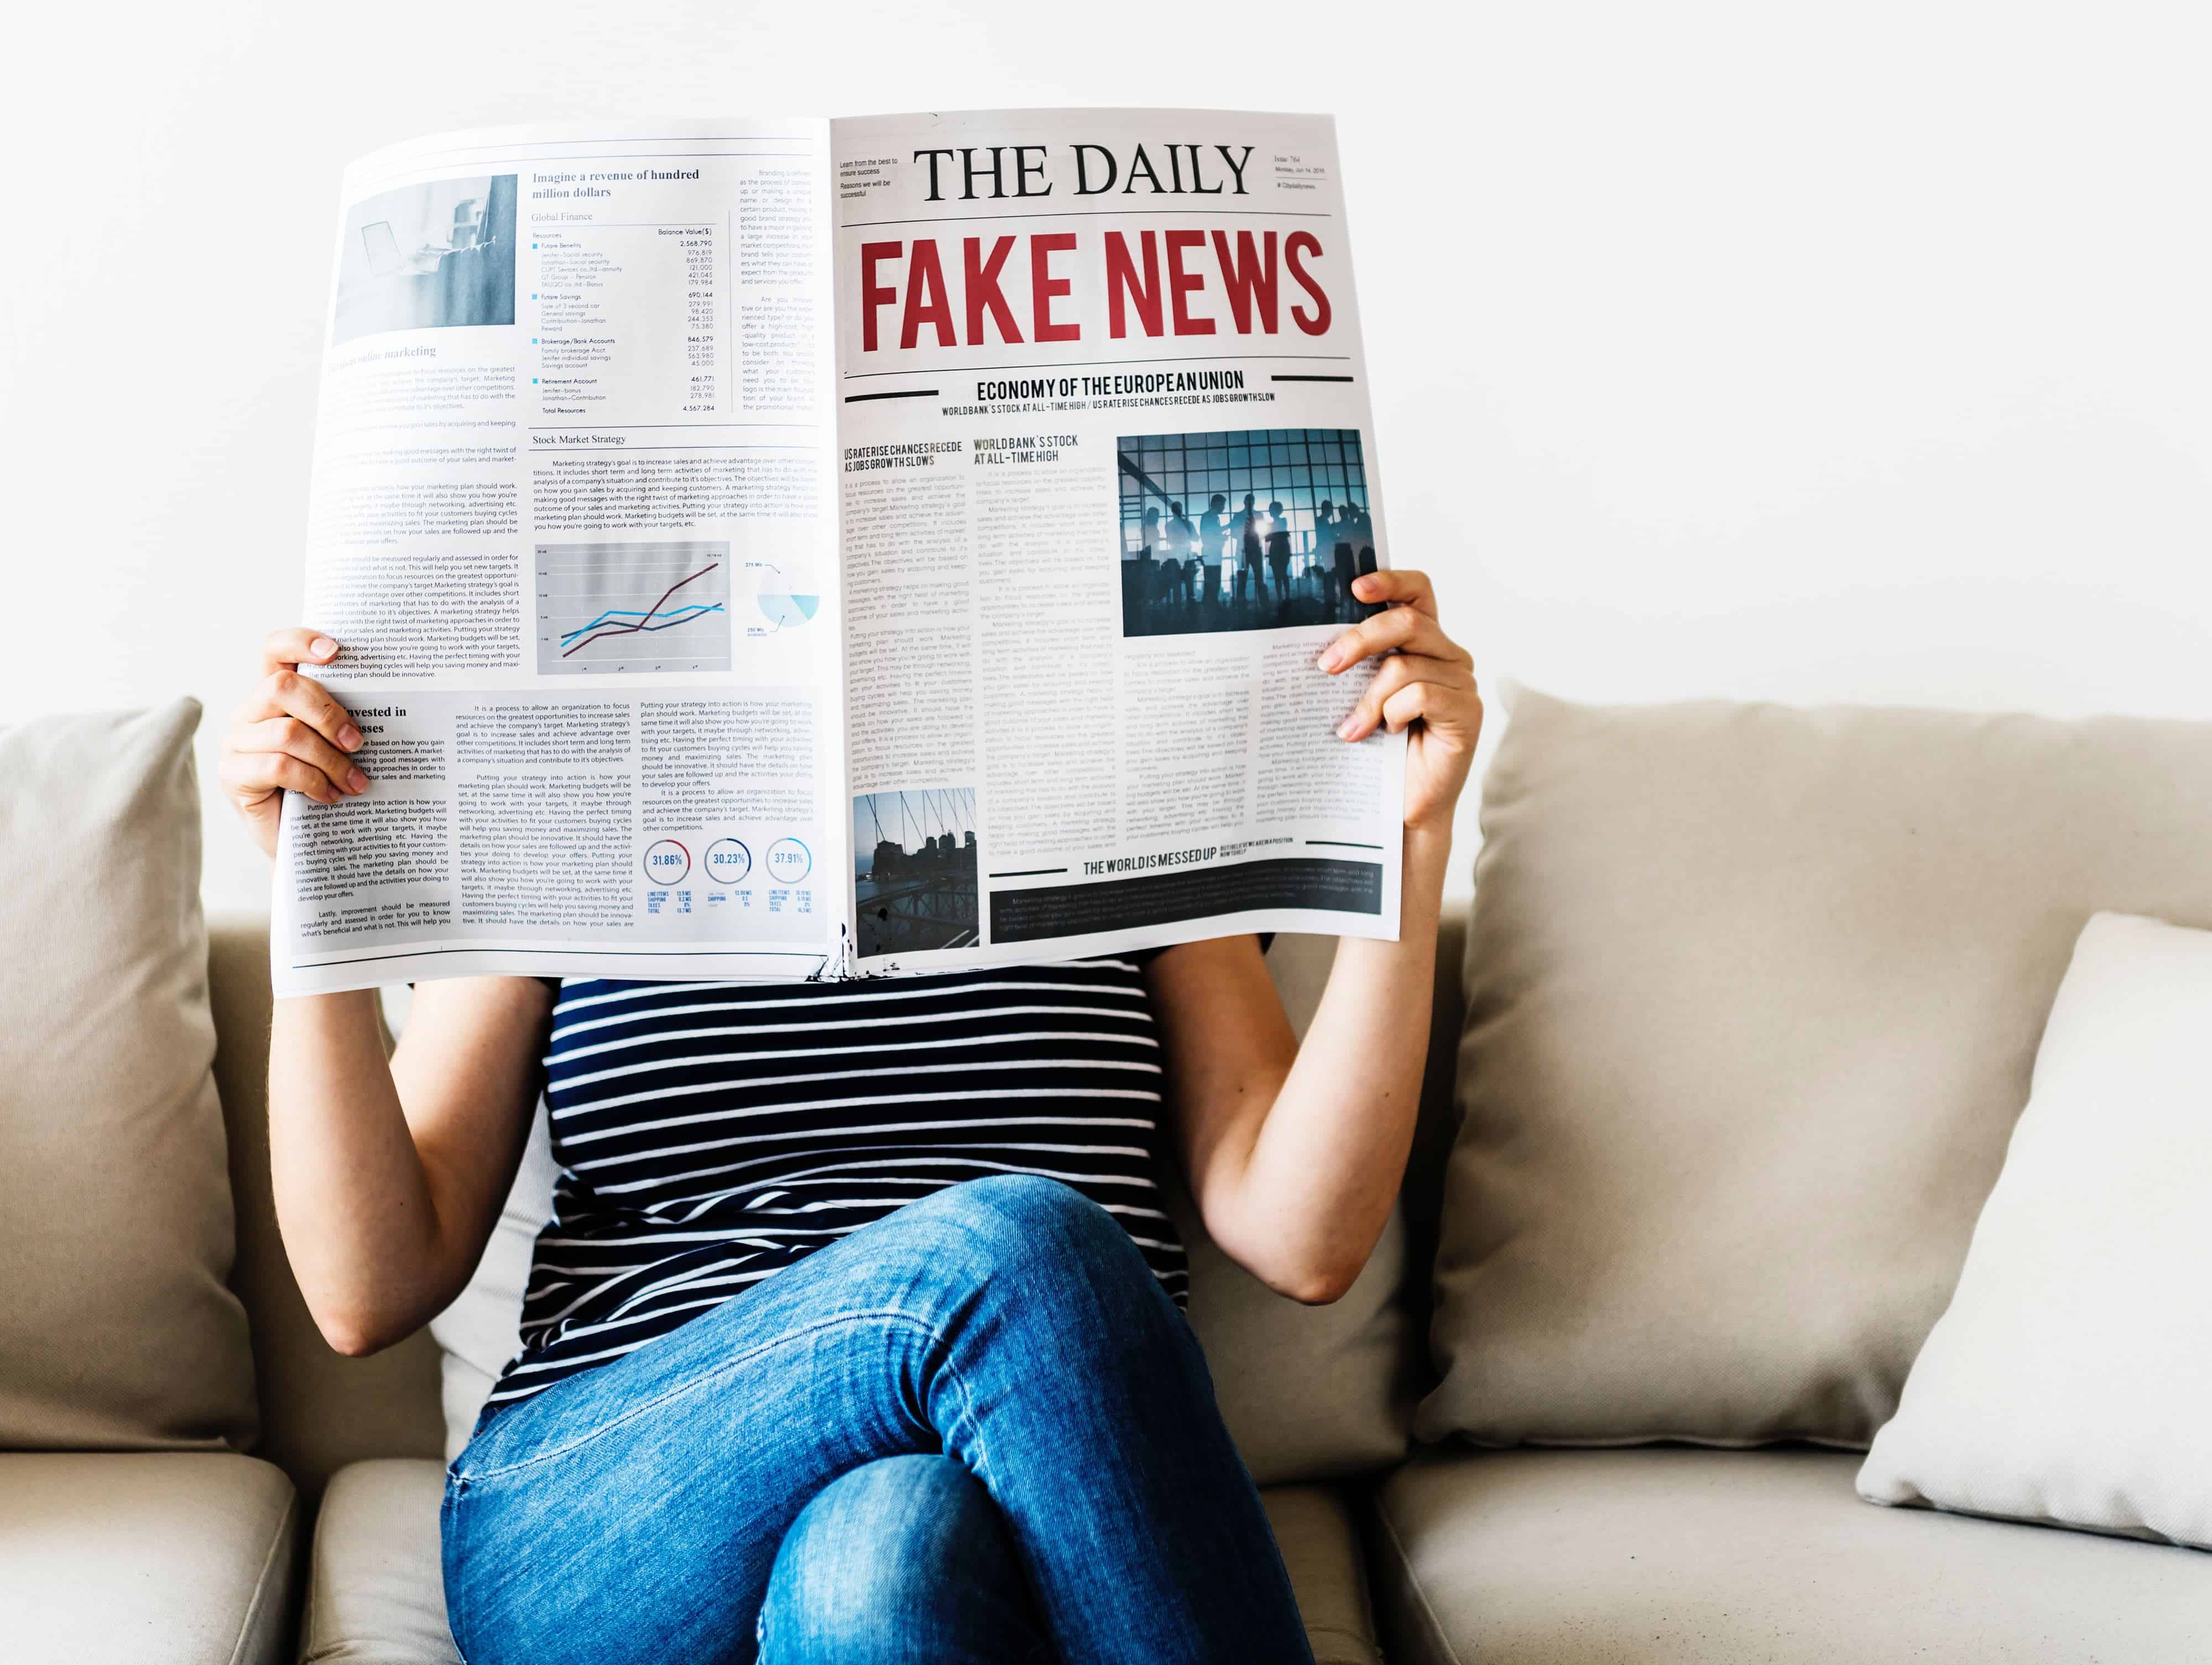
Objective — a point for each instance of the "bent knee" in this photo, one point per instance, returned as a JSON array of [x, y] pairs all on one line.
[[1021, 1204], [1036, 1250], [874, 1545], [872, 1519], [1024, 1222]]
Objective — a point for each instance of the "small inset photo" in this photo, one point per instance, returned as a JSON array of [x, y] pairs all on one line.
[[428, 256], [1252, 529], [913, 856]]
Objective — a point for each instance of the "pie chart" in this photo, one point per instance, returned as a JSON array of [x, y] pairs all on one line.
[[782, 608], [786, 595]]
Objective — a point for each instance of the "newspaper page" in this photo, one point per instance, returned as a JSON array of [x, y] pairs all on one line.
[[572, 522], [1107, 472]]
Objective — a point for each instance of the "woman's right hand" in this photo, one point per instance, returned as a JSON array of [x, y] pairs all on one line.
[[289, 734]]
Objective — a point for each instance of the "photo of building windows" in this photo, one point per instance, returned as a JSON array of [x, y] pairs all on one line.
[[1248, 529]]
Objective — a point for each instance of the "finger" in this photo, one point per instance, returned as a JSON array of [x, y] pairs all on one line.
[[1384, 632], [1428, 703], [254, 775], [281, 650], [287, 693], [1404, 628], [1394, 674], [290, 735], [1405, 583]]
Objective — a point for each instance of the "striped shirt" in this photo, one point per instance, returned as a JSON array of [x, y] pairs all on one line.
[[710, 1134]]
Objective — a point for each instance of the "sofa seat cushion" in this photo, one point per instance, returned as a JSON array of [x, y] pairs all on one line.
[[375, 1589], [144, 1559], [1319, 1536], [1655, 1556], [376, 1592]]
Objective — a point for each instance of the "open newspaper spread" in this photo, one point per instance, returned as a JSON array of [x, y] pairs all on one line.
[[773, 549]]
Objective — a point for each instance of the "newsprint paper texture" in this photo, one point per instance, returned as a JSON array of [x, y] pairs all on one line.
[[778, 549]]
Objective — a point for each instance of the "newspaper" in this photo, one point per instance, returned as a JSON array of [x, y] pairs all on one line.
[[781, 549]]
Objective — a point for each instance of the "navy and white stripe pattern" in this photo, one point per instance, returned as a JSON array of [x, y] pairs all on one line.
[[711, 1134]]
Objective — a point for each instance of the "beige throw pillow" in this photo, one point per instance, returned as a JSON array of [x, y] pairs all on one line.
[[118, 1332], [1753, 998]]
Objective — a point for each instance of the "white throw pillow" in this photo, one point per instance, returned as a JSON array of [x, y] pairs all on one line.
[[483, 1329], [2070, 1382]]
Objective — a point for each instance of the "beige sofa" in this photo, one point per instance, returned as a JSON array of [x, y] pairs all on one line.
[[326, 1539], [323, 1543]]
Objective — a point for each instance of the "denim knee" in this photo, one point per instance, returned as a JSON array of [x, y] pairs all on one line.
[[1059, 1278], [871, 1537], [870, 1557], [1019, 1230], [1022, 1211]]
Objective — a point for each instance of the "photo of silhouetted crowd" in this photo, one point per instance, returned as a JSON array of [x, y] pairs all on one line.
[[1250, 529]]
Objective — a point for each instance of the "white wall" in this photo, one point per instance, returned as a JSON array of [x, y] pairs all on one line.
[[1822, 352]]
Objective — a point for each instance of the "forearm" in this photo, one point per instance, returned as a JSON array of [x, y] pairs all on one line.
[[353, 1198], [1303, 1191], [388, 1174]]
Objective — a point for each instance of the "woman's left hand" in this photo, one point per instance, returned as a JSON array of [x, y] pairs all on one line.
[[1425, 688]]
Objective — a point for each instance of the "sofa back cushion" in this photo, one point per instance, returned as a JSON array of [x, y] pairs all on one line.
[[118, 1331], [1754, 994], [1309, 1393]]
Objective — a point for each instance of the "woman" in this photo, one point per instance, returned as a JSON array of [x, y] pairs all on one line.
[[854, 1336], [1279, 552]]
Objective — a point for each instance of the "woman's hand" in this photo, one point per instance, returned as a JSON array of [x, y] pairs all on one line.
[[289, 734], [1426, 687]]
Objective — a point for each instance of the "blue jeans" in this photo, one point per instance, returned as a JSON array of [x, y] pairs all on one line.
[[748, 1486]]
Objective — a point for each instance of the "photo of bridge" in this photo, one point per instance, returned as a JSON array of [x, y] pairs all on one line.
[[914, 853]]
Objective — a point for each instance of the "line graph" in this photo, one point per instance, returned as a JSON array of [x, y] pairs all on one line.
[[651, 619], [607, 608]]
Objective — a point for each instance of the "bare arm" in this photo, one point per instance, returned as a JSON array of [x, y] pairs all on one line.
[[1294, 1153], [388, 1176]]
